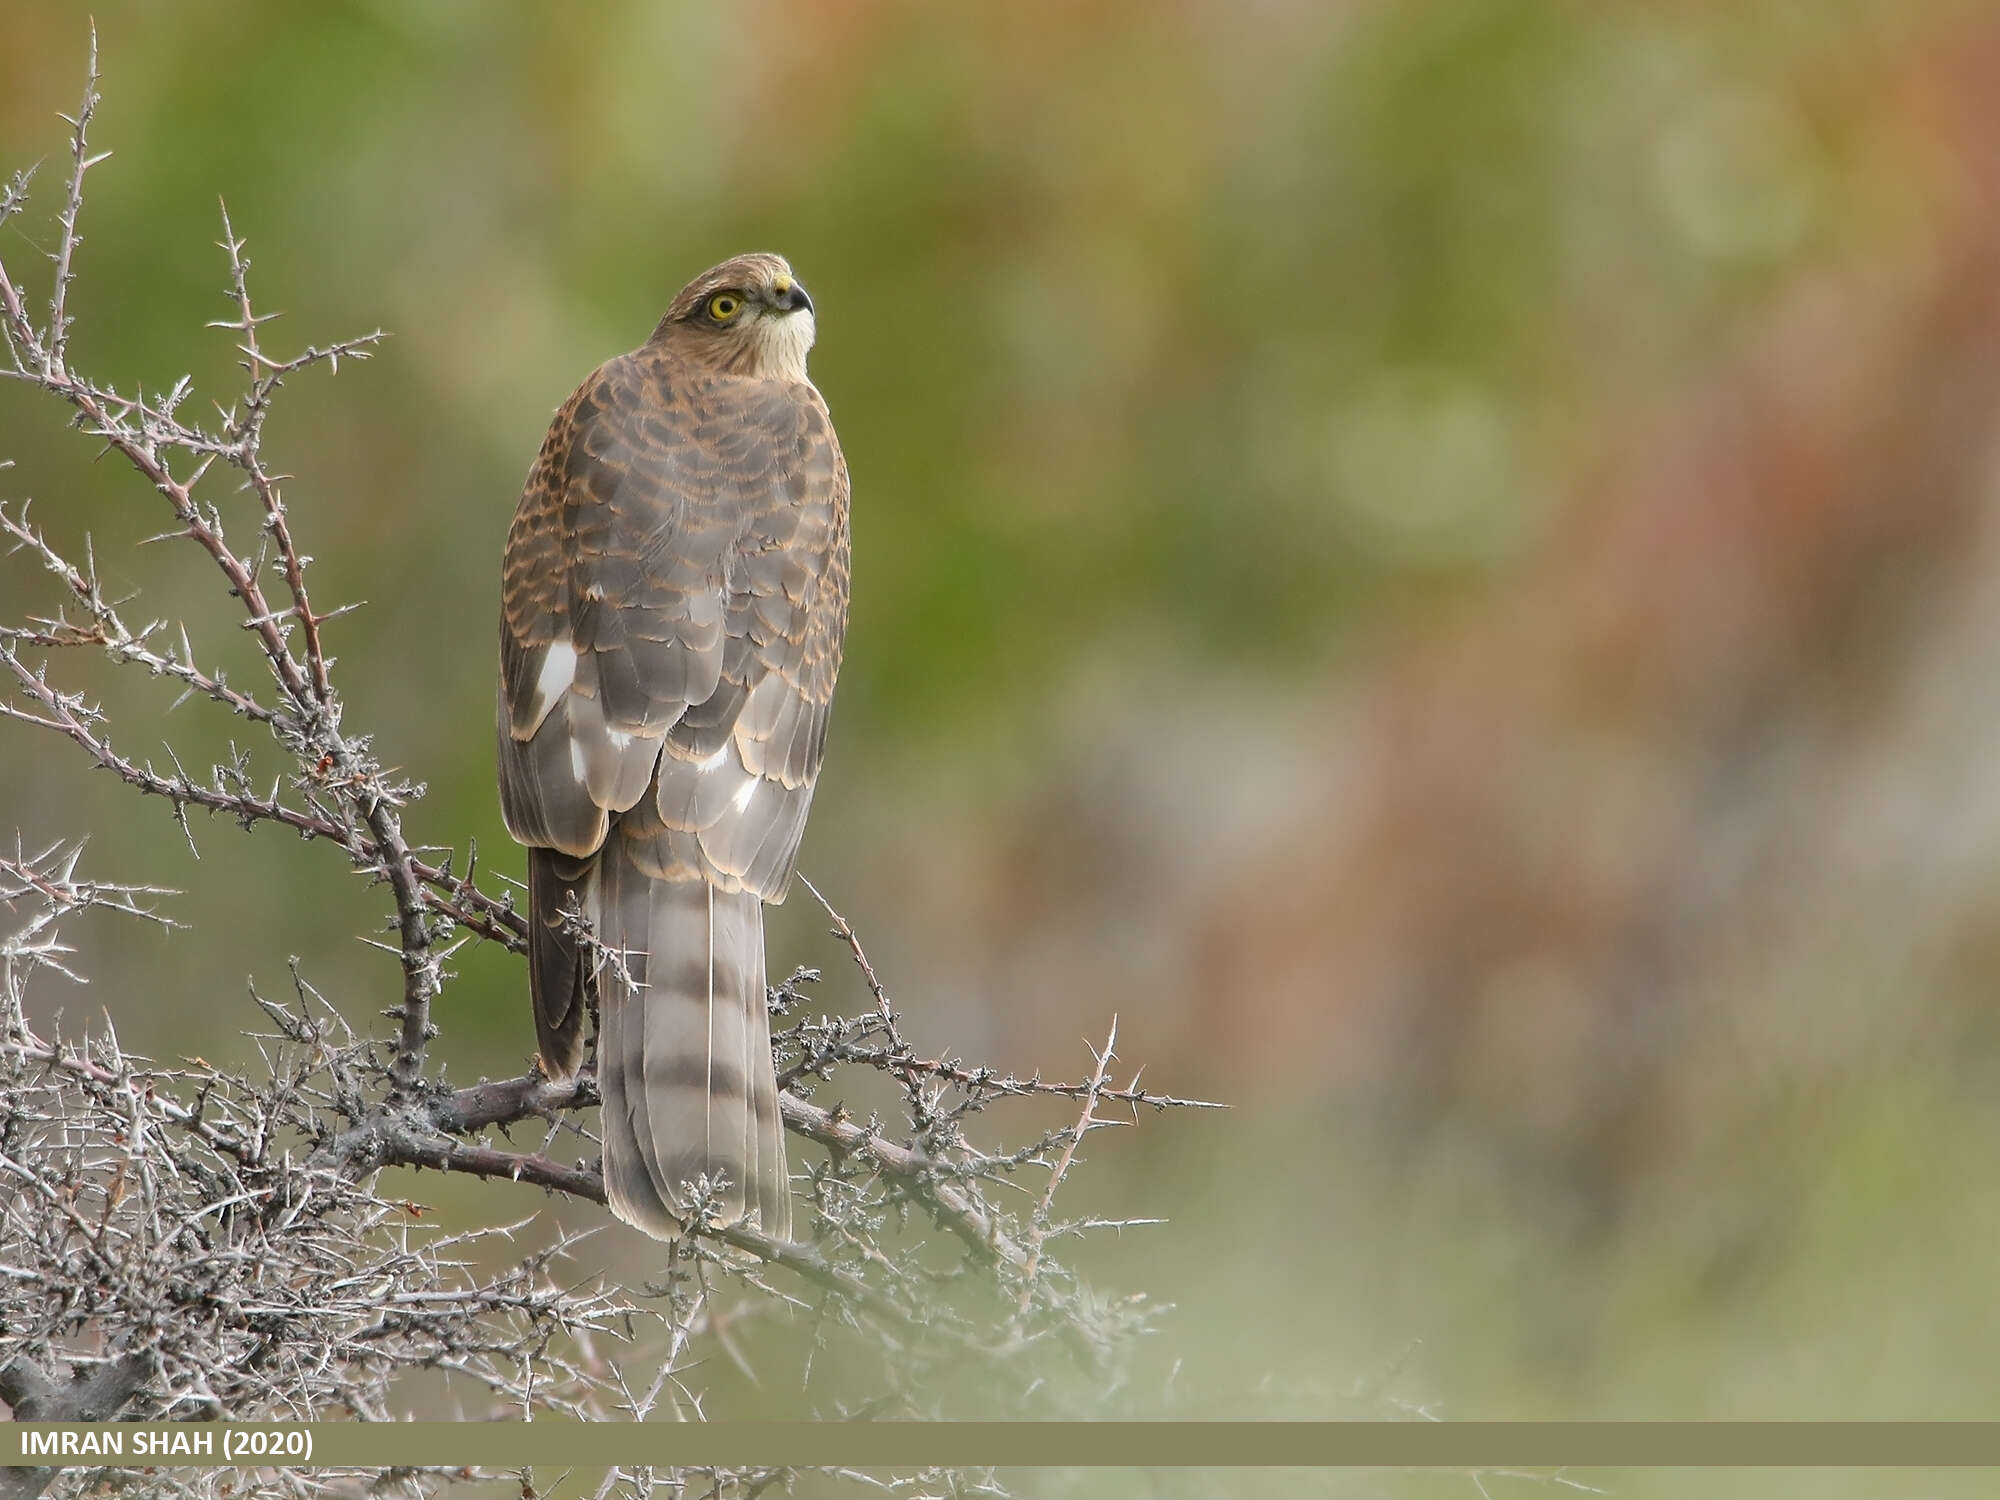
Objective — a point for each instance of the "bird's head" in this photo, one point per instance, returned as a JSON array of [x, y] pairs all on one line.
[[747, 316]]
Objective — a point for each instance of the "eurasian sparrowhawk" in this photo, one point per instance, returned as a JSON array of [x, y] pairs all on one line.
[[675, 595]]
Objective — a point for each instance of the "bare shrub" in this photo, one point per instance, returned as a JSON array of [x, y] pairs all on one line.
[[186, 1241]]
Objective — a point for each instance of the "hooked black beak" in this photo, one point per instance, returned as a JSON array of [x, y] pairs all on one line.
[[794, 299]]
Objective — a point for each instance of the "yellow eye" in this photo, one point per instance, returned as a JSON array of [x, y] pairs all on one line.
[[724, 305]]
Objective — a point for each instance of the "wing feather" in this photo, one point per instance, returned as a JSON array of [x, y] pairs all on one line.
[[675, 601]]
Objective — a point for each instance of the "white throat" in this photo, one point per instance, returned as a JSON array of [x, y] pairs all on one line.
[[782, 342]]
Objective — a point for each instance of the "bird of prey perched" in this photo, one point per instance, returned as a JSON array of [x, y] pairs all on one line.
[[674, 599]]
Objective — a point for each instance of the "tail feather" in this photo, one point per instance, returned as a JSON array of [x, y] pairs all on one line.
[[684, 1057], [771, 1178]]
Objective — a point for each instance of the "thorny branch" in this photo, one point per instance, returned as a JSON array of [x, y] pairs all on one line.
[[361, 797], [232, 1226], [1038, 1226]]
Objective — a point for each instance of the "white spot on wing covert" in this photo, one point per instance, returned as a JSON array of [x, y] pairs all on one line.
[[558, 672]]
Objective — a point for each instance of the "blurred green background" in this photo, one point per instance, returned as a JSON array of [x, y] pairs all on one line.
[[1440, 560]]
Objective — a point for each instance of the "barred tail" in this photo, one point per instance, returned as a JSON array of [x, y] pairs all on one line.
[[684, 1054]]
